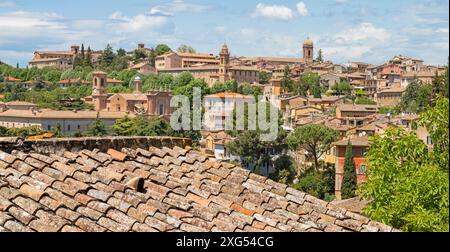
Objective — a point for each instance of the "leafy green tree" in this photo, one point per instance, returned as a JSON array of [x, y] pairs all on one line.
[[406, 187], [247, 89], [121, 52], [316, 90], [24, 132], [53, 75], [319, 184], [342, 88], [436, 121], [57, 130], [162, 49], [187, 90], [348, 187], [139, 55], [416, 97], [315, 138], [284, 170], [186, 49], [301, 88], [120, 63], [440, 84], [248, 144], [107, 57], [97, 128], [124, 126], [88, 58], [264, 77], [183, 79], [3, 131], [365, 100]]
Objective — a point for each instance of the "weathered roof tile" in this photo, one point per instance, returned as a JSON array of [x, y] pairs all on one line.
[[183, 190]]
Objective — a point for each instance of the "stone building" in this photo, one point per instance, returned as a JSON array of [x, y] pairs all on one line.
[[353, 114], [219, 107], [184, 60], [390, 96], [58, 59], [153, 103], [360, 146], [212, 72], [308, 51]]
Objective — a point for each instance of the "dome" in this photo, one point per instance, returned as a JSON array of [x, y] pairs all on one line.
[[137, 78], [308, 42]]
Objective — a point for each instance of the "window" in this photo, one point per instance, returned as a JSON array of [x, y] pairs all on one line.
[[68, 127], [364, 151], [362, 169], [49, 127], [429, 140], [161, 109], [78, 127]]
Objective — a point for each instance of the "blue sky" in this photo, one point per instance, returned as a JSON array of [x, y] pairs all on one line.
[[346, 30]]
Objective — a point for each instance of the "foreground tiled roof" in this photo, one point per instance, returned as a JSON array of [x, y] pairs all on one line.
[[155, 190]]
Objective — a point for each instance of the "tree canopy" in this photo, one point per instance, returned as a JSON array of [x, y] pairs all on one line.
[[162, 49], [186, 49], [315, 138], [408, 185]]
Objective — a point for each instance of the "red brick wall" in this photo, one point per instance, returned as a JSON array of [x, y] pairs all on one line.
[[358, 159]]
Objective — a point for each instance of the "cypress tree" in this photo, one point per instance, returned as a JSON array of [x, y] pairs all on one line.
[[82, 52], [88, 58], [320, 56], [348, 187]]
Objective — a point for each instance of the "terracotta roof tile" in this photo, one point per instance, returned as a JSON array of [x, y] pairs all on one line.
[[183, 190]]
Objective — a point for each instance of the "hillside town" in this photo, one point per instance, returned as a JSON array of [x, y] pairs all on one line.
[[330, 114]]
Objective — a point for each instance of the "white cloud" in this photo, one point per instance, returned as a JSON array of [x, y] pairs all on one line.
[[178, 6], [220, 29], [360, 42], [157, 11], [301, 8], [138, 23], [29, 31], [340, 1], [278, 12], [346, 53], [364, 32], [442, 30]]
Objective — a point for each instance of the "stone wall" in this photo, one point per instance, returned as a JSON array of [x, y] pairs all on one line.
[[60, 145]]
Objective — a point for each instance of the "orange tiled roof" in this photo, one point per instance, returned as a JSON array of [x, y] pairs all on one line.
[[73, 81], [197, 55], [153, 189], [99, 72], [227, 95], [54, 53], [113, 81], [20, 103], [139, 65], [9, 78], [357, 141]]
